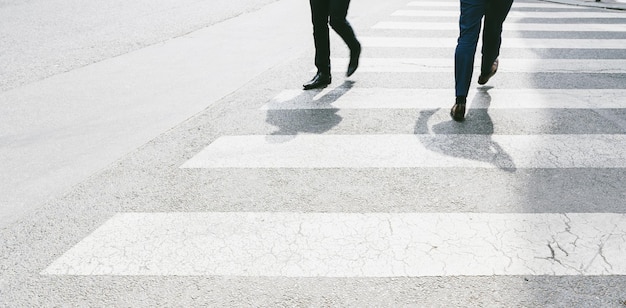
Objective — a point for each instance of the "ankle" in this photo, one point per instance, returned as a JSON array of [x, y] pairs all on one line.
[[461, 100]]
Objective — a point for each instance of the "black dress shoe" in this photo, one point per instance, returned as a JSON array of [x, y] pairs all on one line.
[[458, 112], [354, 60], [320, 80], [482, 79]]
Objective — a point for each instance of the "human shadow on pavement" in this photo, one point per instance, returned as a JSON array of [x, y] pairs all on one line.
[[305, 113], [470, 139]]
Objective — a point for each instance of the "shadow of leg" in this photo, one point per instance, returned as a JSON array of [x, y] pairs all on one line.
[[316, 120]]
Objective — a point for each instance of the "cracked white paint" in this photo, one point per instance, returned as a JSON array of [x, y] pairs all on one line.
[[386, 98], [408, 151], [448, 42], [433, 65], [351, 245]]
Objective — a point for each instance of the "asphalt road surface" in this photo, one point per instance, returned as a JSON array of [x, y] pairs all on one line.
[[44, 38], [237, 188], [60, 121]]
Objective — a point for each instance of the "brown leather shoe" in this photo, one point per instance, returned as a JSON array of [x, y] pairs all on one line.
[[483, 79]]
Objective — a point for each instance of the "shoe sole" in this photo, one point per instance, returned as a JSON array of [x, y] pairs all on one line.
[[321, 86]]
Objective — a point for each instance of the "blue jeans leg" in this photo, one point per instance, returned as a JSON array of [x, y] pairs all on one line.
[[472, 12]]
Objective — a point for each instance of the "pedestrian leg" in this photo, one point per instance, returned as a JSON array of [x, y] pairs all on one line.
[[320, 10], [472, 12], [339, 23], [338, 13], [495, 14]]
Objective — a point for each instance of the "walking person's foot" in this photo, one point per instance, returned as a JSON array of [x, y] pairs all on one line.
[[354, 60], [482, 79], [320, 80], [458, 110]]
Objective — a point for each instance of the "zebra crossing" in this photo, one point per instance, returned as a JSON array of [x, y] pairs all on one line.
[[451, 26], [386, 245], [409, 42], [388, 98], [364, 244], [516, 65], [515, 16]]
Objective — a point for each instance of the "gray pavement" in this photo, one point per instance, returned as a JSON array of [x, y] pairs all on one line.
[[44, 38], [58, 131], [149, 179]]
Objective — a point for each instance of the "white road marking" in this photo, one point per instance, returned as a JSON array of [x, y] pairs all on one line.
[[508, 26], [387, 98], [350, 245], [450, 42], [515, 5], [517, 15], [509, 65], [413, 151]]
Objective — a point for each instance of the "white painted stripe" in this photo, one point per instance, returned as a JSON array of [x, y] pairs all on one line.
[[507, 26], [413, 151], [514, 14], [387, 98], [441, 65], [450, 42], [515, 5], [350, 245], [509, 19]]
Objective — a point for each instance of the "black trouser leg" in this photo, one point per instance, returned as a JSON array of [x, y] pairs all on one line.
[[320, 10], [495, 14], [338, 13]]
